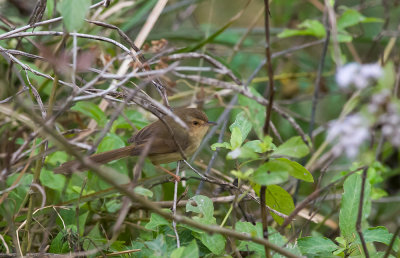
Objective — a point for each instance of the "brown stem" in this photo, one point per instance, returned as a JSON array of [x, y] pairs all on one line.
[[264, 220], [264, 213]]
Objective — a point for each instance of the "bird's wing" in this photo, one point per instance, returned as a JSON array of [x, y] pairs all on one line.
[[162, 142]]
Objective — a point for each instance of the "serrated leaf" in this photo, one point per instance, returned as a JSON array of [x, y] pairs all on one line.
[[294, 147], [349, 206], [243, 124], [316, 245], [73, 13], [278, 199]]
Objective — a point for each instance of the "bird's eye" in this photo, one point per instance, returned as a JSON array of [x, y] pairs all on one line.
[[195, 123]]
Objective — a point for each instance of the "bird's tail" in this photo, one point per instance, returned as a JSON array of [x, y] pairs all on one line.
[[100, 158]]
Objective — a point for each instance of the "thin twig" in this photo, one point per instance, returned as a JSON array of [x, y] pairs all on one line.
[[214, 156], [318, 81], [390, 246], [271, 92], [178, 242]]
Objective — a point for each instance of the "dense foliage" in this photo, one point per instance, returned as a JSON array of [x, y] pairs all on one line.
[[80, 77]]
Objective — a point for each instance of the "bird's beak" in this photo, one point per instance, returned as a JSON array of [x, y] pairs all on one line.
[[211, 123]]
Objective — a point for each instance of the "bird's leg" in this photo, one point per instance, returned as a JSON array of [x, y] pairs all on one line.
[[177, 178]]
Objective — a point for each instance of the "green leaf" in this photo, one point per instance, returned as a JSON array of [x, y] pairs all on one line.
[[204, 206], [243, 124], [143, 191], [253, 230], [297, 171], [256, 146], [244, 176], [352, 17], [344, 36], [113, 205], [389, 78], [242, 153], [58, 246], [156, 221], [110, 142], [186, 251], [271, 172], [278, 199], [236, 138], [381, 235], [349, 206], [215, 242], [377, 193], [73, 13], [307, 28], [158, 246], [294, 147], [225, 145], [18, 194], [255, 112], [256, 231], [247, 227], [82, 222], [51, 180], [57, 158], [316, 245], [135, 117], [91, 110]]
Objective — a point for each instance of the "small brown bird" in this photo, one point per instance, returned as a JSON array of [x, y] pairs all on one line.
[[163, 148]]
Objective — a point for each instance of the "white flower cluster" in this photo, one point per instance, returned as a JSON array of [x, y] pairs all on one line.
[[358, 75], [379, 101], [350, 133], [391, 124]]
